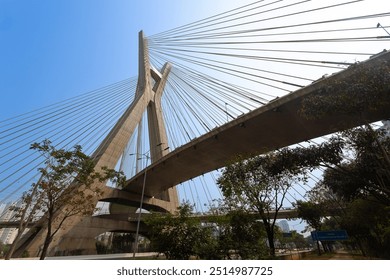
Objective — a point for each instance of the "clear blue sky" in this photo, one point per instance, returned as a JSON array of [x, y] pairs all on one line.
[[52, 50]]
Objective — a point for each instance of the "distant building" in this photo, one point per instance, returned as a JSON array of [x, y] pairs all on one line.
[[7, 235], [2, 209], [283, 224]]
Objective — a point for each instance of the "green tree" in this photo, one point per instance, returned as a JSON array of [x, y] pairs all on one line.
[[312, 213], [247, 235], [177, 235], [367, 173], [64, 190], [259, 185], [296, 240], [365, 214], [368, 222], [299, 240], [235, 234], [359, 187]]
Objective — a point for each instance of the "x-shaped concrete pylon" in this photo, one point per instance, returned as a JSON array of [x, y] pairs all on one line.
[[148, 97]]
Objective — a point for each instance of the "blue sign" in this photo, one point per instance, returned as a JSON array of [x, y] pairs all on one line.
[[330, 235]]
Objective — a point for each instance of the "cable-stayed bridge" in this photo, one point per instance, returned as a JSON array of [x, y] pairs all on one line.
[[207, 91]]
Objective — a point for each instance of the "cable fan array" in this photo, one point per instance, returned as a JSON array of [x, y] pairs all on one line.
[[83, 120], [231, 63]]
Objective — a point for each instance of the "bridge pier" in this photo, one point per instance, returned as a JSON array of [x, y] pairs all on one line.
[[81, 240]]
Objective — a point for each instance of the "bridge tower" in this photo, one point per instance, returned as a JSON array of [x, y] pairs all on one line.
[[78, 233]]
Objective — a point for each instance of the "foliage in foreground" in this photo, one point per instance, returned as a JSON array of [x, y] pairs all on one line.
[[176, 236], [66, 188], [359, 187], [182, 235]]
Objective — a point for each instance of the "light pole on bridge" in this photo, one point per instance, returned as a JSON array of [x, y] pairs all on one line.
[[141, 202], [139, 156]]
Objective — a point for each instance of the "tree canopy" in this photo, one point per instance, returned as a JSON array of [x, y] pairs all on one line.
[[65, 189]]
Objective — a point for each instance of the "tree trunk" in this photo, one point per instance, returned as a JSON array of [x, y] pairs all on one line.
[[319, 248], [48, 238], [45, 248], [359, 243], [271, 244], [270, 237]]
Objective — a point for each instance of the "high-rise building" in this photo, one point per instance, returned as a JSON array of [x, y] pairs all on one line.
[[283, 224], [2, 209], [7, 235]]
